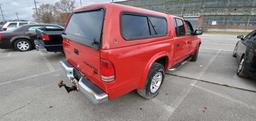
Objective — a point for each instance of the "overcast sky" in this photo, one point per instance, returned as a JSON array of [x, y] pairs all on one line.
[[24, 8]]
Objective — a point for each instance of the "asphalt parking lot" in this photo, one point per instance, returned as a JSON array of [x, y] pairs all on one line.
[[206, 90]]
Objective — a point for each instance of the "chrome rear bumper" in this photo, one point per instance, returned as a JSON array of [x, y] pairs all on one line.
[[90, 90]]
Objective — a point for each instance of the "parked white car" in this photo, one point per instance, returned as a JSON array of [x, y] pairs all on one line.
[[11, 25]]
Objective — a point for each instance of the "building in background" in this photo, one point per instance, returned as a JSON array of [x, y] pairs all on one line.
[[228, 15]]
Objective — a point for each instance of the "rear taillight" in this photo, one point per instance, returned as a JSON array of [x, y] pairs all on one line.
[[107, 71], [1, 36], [4, 29], [45, 37]]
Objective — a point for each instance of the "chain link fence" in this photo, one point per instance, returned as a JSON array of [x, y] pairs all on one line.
[[215, 14]]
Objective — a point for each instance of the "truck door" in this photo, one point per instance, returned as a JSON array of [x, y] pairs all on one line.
[[190, 38], [180, 49]]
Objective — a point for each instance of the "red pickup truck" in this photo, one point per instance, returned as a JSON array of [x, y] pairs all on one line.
[[113, 49]]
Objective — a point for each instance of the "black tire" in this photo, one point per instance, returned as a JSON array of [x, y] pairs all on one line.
[[195, 56], [22, 45], [63, 53], [156, 73], [234, 51], [241, 68]]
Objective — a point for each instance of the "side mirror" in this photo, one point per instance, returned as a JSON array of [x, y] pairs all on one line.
[[240, 37], [198, 32]]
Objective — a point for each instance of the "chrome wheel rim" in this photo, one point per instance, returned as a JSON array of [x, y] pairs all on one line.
[[23, 45], [156, 82], [240, 67]]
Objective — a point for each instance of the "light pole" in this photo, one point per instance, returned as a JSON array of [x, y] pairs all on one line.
[[35, 2], [2, 13], [80, 3], [17, 16]]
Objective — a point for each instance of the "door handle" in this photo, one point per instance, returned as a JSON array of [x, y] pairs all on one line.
[[76, 51], [178, 44]]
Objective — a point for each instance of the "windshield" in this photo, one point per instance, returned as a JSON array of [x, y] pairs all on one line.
[[250, 35], [86, 28]]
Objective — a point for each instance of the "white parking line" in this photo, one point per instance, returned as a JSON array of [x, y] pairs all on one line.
[[27, 77], [226, 97], [9, 54], [48, 64], [218, 43], [170, 109], [19, 108], [216, 49], [185, 93], [208, 65]]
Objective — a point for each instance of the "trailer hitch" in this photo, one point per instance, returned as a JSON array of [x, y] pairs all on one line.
[[71, 88]]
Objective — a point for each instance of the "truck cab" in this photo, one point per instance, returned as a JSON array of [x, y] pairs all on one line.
[[113, 49]]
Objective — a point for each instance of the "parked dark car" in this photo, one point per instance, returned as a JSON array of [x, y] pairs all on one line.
[[22, 38], [245, 53], [49, 39]]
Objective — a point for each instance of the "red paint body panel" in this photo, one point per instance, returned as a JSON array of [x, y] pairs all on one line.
[[131, 59]]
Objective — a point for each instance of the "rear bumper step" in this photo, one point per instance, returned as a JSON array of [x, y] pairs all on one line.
[[40, 46], [90, 90]]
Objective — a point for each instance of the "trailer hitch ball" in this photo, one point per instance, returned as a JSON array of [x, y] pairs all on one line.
[[71, 88]]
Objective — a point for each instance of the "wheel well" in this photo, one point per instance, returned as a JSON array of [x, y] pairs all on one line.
[[163, 61], [18, 39]]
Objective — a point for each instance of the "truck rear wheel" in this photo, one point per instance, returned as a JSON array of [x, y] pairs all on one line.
[[154, 81]]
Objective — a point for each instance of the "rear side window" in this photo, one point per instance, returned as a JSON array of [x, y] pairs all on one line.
[[179, 27], [140, 26], [20, 24], [158, 26], [12, 25], [134, 27], [253, 38], [86, 28], [250, 35], [32, 29], [54, 28]]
